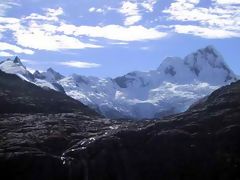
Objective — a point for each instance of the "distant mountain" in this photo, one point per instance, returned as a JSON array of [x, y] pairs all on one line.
[[50, 75], [16, 67], [19, 96], [45, 79], [171, 88]]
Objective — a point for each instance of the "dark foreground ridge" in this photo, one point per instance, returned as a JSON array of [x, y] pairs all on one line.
[[202, 143]]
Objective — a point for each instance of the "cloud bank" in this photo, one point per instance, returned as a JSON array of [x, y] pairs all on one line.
[[80, 64]]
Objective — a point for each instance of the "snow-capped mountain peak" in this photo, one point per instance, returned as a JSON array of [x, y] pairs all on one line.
[[198, 66], [171, 88], [208, 62], [47, 79], [171, 66], [15, 66], [18, 61], [201, 57], [50, 75]]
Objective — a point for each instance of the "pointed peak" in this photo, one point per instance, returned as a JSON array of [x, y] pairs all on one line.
[[210, 47], [17, 60], [205, 61], [208, 54], [50, 70], [55, 74], [36, 72], [210, 50]]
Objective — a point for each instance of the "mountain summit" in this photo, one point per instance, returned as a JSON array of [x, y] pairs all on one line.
[[198, 66], [50, 75], [171, 88], [208, 62], [15, 66]]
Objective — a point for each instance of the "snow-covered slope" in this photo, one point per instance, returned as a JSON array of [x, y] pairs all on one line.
[[16, 67], [49, 79], [171, 88], [209, 66], [50, 75]]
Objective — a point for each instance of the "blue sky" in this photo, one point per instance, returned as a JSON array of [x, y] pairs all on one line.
[[113, 37]]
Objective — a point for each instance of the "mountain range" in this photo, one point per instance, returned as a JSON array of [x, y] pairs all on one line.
[[171, 88]]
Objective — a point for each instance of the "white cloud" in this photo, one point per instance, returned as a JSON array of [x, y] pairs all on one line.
[[129, 9], [205, 32], [49, 32], [5, 54], [54, 12], [132, 20], [99, 10], [41, 40], [220, 20], [145, 48], [6, 20], [5, 5], [113, 32], [16, 49], [50, 15], [11, 24], [227, 1], [131, 12], [37, 33], [80, 64], [149, 4], [92, 9], [28, 61]]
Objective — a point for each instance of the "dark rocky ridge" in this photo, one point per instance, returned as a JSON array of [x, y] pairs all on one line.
[[202, 143]]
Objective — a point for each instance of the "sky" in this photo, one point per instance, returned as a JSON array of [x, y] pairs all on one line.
[[108, 38]]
